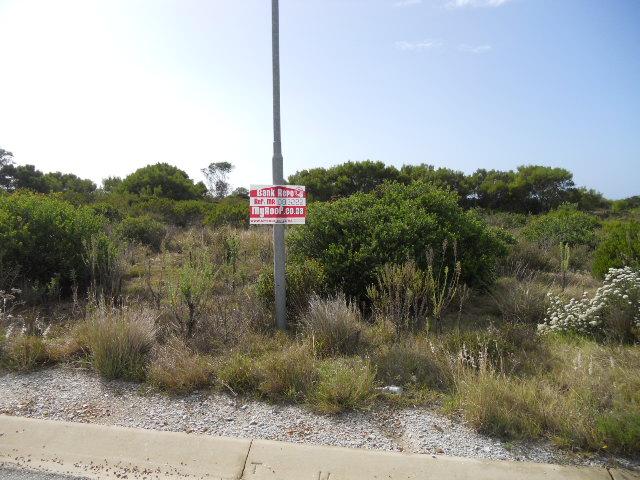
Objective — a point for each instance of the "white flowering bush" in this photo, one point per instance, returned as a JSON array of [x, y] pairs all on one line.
[[618, 297]]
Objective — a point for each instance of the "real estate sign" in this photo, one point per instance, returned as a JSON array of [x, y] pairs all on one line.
[[278, 204]]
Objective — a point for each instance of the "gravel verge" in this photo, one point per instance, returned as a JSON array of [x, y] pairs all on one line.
[[71, 394]]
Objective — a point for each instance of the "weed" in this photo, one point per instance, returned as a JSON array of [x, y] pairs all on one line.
[[333, 325], [288, 374], [176, 369], [119, 342], [344, 384]]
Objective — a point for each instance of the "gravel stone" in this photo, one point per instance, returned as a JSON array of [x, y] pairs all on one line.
[[71, 394]]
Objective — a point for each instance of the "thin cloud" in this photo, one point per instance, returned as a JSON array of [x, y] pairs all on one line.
[[475, 48], [418, 46], [407, 3], [476, 3]]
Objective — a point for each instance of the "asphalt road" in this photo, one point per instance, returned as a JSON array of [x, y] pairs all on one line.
[[19, 474]]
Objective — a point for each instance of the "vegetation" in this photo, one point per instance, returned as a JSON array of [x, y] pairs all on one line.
[[471, 292], [352, 238], [43, 239]]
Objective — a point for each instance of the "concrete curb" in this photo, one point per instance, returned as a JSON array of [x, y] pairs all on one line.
[[101, 452]]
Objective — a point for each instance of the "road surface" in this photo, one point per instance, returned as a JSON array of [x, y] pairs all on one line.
[[19, 474]]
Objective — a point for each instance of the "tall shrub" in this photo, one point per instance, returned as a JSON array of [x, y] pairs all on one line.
[[620, 247], [45, 237], [353, 237]]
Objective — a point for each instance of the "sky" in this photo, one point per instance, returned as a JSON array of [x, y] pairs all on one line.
[[102, 87]]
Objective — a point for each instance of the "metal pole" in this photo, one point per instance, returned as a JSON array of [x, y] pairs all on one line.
[[278, 175]]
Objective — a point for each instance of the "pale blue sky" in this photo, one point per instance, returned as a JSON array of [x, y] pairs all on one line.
[[102, 87]]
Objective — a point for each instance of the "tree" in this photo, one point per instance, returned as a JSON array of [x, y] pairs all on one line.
[[68, 182], [163, 180], [25, 177], [216, 176], [240, 192], [344, 180], [6, 158], [111, 184]]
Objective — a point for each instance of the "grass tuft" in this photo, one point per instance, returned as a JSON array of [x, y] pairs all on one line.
[[334, 326], [344, 384], [176, 369], [119, 342]]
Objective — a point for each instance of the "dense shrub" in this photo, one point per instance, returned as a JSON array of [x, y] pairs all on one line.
[[344, 384], [144, 230], [564, 225], [44, 238], [353, 237], [162, 180], [304, 279], [232, 211], [619, 247], [333, 325]]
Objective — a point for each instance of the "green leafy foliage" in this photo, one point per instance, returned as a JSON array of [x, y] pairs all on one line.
[[619, 247], [566, 225], [304, 279], [144, 230], [529, 189], [163, 180], [45, 237], [229, 211], [353, 237], [345, 179]]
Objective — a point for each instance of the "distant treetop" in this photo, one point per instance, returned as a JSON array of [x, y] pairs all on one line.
[[529, 189], [163, 180]]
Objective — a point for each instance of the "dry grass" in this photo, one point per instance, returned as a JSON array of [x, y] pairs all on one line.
[[333, 326], [24, 353], [590, 399], [344, 384], [288, 374], [119, 342], [176, 369], [414, 362], [522, 300]]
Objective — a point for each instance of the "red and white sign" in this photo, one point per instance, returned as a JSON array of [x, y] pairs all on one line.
[[278, 204]]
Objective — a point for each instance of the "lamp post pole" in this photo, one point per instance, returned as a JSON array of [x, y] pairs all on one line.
[[278, 175]]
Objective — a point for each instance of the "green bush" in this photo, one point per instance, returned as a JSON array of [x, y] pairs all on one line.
[[353, 237], [344, 384], [44, 238], [232, 211], [304, 279], [163, 180], [565, 225], [619, 247], [144, 230]]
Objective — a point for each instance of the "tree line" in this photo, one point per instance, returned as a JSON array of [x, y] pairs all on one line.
[[528, 189]]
